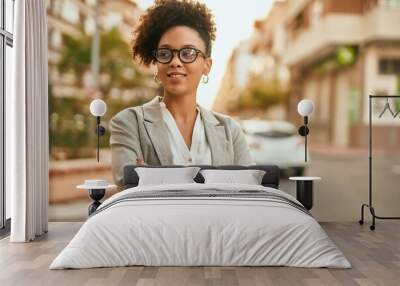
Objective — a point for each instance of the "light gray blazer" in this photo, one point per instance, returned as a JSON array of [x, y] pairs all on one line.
[[140, 131]]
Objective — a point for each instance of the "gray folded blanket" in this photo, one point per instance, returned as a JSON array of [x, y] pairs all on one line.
[[206, 194]]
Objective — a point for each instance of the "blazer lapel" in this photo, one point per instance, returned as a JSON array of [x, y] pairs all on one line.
[[216, 137], [157, 131]]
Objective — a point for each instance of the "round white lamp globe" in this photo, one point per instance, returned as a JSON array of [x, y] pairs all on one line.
[[305, 107], [98, 107]]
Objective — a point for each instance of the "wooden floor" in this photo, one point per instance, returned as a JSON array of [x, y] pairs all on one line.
[[375, 257]]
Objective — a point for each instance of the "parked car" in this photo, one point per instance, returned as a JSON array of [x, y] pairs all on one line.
[[275, 142]]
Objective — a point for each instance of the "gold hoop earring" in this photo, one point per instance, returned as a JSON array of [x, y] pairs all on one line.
[[156, 79], [205, 78]]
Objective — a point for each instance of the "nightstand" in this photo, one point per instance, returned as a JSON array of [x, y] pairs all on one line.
[[97, 190], [304, 190]]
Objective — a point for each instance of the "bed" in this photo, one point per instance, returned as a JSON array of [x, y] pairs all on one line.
[[201, 224]]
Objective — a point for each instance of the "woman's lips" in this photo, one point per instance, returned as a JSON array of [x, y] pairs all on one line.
[[176, 77]]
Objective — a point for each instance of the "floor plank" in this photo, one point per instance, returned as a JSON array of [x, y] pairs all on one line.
[[375, 257]]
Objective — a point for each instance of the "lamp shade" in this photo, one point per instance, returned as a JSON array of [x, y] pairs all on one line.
[[98, 107], [305, 107]]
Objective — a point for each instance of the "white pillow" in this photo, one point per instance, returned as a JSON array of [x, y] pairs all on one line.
[[164, 176], [249, 177]]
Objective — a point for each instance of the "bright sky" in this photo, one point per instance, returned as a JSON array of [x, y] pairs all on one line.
[[234, 20]]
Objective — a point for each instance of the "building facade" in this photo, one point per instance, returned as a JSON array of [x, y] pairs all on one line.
[[258, 57], [339, 52], [77, 19]]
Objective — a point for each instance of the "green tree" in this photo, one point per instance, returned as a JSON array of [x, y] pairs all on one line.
[[70, 121], [260, 94], [115, 60]]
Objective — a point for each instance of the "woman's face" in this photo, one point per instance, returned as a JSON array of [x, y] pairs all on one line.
[[189, 73]]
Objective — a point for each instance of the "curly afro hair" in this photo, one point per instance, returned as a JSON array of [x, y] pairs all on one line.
[[165, 14]]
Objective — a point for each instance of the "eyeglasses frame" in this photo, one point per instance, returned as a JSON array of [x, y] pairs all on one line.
[[179, 54]]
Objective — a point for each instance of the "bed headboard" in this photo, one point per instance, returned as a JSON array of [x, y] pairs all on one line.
[[270, 179]]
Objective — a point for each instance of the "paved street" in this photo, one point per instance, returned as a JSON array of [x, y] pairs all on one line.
[[344, 186], [337, 197]]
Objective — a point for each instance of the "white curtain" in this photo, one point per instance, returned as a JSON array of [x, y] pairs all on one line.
[[27, 124]]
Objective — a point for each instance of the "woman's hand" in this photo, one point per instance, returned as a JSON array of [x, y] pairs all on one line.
[[140, 161]]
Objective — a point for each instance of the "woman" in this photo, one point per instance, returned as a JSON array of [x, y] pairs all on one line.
[[174, 129]]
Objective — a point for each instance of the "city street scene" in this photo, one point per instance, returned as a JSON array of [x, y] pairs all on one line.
[[266, 59]]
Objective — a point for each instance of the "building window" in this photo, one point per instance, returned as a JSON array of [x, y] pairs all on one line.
[[389, 66], [6, 45]]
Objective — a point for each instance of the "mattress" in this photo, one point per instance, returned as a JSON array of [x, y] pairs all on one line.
[[201, 225]]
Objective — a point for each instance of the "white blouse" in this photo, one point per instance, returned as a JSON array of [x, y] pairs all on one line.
[[199, 152]]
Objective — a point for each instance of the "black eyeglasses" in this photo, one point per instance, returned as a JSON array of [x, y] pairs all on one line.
[[186, 55]]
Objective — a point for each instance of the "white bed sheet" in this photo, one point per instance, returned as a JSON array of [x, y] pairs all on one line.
[[200, 231]]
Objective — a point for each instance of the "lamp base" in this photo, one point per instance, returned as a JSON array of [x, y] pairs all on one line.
[[96, 195], [303, 130], [100, 130]]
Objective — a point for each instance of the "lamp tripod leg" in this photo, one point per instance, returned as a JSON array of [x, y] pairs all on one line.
[[361, 221]]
